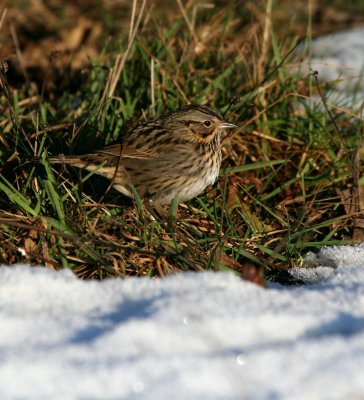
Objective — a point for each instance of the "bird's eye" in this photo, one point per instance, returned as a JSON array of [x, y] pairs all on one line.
[[207, 124]]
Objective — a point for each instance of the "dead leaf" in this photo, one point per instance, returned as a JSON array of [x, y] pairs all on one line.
[[29, 245], [248, 271]]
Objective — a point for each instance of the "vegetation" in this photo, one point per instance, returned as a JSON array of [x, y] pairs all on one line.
[[290, 175]]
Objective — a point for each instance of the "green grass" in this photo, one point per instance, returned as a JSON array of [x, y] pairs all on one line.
[[283, 179]]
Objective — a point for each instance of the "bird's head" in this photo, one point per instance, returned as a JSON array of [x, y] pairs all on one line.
[[197, 123]]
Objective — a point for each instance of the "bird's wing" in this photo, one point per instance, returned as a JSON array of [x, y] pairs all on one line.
[[128, 151], [145, 142]]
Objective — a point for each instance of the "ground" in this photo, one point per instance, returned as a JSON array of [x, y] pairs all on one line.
[[74, 76]]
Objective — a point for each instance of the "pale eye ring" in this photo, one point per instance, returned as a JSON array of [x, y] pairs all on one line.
[[207, 124]]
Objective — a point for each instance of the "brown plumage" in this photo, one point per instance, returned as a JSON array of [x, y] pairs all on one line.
[[176, 154]]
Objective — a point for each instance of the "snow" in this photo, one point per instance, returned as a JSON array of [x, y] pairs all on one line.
[[339, 59], [188, 336], [341, 55]]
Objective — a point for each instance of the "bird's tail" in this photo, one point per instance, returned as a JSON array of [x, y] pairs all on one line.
[[76, 161], [100, 165]]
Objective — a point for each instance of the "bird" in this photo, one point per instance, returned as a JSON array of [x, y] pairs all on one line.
[[176, 155]]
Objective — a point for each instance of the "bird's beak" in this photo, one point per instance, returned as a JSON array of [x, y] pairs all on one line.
[[227, 125]]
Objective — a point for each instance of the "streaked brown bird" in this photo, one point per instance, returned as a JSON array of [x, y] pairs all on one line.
[[178, 154]]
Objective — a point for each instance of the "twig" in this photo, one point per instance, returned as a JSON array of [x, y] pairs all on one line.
[[188, 22], [2, 19], [119, 64], [18, 52], [152, 91], [315, 76]]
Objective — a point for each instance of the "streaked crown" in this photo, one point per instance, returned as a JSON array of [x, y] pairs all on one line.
[[199, 123]]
